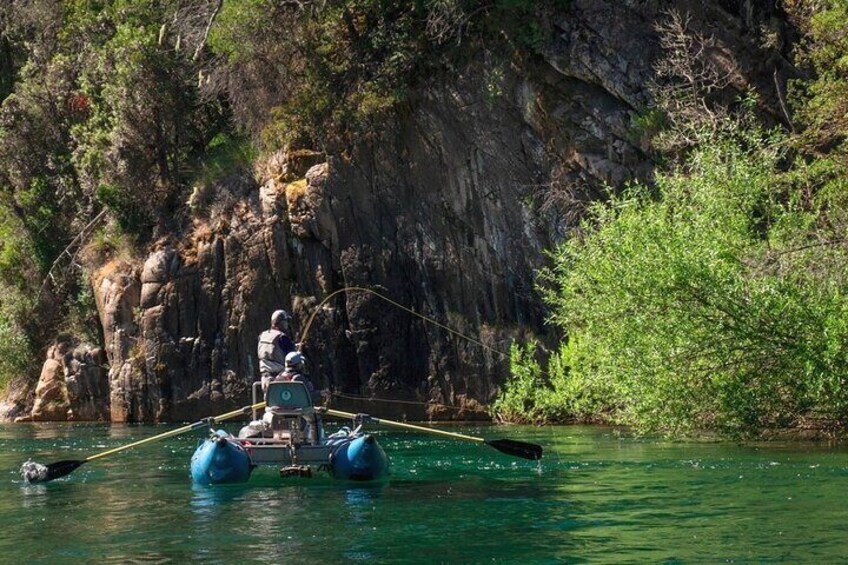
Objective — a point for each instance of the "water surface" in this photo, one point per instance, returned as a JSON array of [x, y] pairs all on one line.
[[596, 497]]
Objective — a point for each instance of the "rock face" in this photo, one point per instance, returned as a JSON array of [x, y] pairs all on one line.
[[73, 385], [447, 212]]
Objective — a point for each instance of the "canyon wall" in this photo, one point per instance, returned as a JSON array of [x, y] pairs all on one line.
[[448, 211]]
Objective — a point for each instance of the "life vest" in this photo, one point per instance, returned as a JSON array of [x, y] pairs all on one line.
[[272, 359]]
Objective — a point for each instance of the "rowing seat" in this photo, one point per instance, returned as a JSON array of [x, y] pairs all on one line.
[[289, 409], [288, 398]]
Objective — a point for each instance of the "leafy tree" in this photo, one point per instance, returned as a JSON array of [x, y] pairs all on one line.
[[341, 67], [99, 109], [715, 298], [704, 302], [142, 124]]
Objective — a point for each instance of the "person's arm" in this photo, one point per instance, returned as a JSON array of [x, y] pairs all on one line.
[[303, 378], [285, 343]]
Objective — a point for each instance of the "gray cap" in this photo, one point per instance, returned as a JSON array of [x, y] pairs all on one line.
[[294, 359], [279, 317]]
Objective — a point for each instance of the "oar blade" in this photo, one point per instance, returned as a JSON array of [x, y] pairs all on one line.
[[62, 468], [515, 448], [37, 473]]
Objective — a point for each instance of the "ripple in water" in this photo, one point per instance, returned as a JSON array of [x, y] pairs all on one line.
[[595, 497]]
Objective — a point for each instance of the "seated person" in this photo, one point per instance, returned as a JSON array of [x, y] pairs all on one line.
[[295, 372]]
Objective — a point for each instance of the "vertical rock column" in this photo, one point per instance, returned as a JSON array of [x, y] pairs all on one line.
[[118, 294], [73, 385]]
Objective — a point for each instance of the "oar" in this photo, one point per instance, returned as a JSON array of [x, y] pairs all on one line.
[[509, 446], [35, 473]]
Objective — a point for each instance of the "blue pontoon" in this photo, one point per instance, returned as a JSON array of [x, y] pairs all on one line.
[[288, 435]]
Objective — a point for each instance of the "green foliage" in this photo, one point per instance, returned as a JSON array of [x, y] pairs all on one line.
[[15, 350], [81, 318], [15, 252], [821, 103], [363, 57], [236, 21], [142, 124], [645, 126], [708, 302], [522, 400], [228, 161], [559, 394], [224, 155], [130, 213]]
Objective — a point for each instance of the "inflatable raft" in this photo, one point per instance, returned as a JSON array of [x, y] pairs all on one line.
[[288, 436]]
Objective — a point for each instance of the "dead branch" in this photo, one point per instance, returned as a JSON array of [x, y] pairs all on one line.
[[206, 31], [76, 242]]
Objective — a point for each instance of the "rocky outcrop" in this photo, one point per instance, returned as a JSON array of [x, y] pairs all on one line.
[[73, 385], [447, 210]]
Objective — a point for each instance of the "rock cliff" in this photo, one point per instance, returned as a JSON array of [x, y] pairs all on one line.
[[448, 210], [72, 386]]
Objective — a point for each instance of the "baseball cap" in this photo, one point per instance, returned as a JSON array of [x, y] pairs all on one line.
[[279, 316]]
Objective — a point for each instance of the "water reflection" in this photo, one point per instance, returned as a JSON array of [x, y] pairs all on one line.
[[33, 495], [207, 502], [360, 500], [595, 497]]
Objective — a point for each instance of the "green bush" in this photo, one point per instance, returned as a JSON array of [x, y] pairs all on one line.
[[143, 127], [16, 351], [132, 215], [717, 298], [705, 302], [521, 401], [557, 394], [341, 67]]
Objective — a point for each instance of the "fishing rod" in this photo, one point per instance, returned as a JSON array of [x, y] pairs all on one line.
[[304, 334], [510, 447], [396, 304]]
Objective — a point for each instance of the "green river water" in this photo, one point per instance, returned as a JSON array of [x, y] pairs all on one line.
[[596, 497]]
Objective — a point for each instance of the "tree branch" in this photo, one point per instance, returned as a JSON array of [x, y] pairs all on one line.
[[67, 250], [202, 43]]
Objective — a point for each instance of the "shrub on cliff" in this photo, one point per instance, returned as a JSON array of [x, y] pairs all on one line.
[[98, 111], [715, 300], [330, 72], [141, 129]]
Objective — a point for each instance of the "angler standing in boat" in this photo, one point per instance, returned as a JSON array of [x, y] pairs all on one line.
[[273, 347]]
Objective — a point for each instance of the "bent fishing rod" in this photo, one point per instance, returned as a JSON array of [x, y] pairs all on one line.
[[35, 472], [512, 447]]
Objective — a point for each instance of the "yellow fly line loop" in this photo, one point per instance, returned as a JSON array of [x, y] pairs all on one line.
[[396, 304]]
